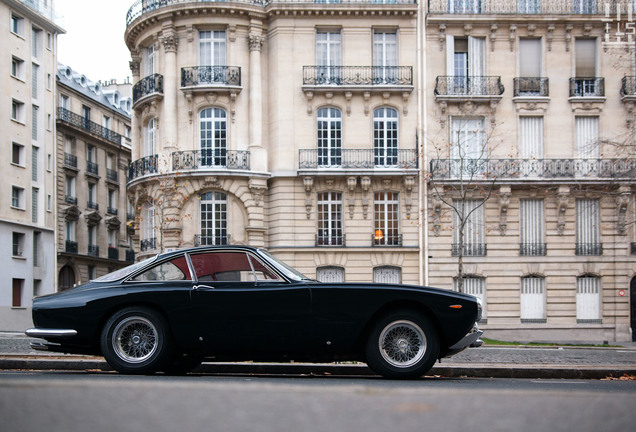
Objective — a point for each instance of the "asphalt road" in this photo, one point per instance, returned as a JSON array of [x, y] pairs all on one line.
[[64, 401]]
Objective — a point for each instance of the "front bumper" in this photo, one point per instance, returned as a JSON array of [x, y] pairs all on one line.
[[472, 339], [45, 333]]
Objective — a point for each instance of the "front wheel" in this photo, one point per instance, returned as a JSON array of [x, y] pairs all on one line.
[[402, 345], [136, 341]]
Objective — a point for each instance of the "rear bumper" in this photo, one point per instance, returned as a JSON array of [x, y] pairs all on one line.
[[50, 333], [472, 339]]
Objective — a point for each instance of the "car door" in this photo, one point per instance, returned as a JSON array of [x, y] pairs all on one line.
[[243, 306]]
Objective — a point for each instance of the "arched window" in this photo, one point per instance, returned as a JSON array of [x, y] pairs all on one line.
[[66, 279], [213, 219], [147, 223], [330, 274], [387, 275], [329, 137], [213, 137], [385, 137]]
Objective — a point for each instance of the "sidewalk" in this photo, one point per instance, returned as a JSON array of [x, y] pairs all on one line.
[[549, 362]]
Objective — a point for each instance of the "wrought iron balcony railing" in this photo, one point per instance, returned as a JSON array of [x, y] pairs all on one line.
[[210, 76], [357, 158], [70, 199], [532, 249], [628, 86], [388, 240], [70, 160], [473, 249], [152, 84], [589, 249], [113, 253], [80, 122], [92, 167], [148, 244], [527, 7], [587, 87], [111, 175], [71, 246], [142, 7], [533, 169], [130, 255], [469, 86], [92, 205], [330, 239], [212, 158], [111, 211], [143, 166], [531, 86], [211, 240], [358, 75], [93, 250]]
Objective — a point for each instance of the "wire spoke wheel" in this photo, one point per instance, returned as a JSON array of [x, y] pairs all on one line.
[[135, 339], [402, 344]]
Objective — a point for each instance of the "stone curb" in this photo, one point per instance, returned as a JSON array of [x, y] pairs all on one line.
[[447, 370]]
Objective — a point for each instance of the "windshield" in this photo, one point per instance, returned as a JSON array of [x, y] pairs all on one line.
[[285, 269], [122, 273]]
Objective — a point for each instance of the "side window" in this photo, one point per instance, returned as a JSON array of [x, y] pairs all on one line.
[[230, 267], [174, 270]]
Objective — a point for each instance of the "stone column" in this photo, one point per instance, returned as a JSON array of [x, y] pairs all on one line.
[[168, 142], [134, 118], [258, 155]]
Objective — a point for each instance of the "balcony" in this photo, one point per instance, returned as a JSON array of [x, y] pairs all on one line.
[[130, 255], [206, 77], [628, 88], [150, 87], [526, 7], [148, 244], [330, 239], [475, 249], [92, 205], [70, 247], [380, 160], [459, 88], [379, 239], [113, 253], [590, 87], [141, 167], [111, 175], [532, 249], [530, 87], [111, 210], [210, 159], [86, 125], [69, 199], [357, 76], [93, 250], [589, 249], [551, 170], [92, 168], [70, 161]]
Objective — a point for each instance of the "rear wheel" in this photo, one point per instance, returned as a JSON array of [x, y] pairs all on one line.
[[402, 345], [136, 340]]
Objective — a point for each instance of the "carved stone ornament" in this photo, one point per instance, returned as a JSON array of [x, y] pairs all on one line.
[[563, 198], [170, 43], [504, 203], [622, 204]]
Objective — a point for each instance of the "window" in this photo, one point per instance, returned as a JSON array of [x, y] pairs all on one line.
[[174, 270], [17, 68], [65, 102], [66, 278], [86, 116], [92, 196], [48, 81], [17, 197], [17, 154], [469, 149], [531, 137], [17, 111], [71, 244], [18, 288], [92, 273], [212, 48], [330, 274], [330, 220], [475, 286], [469, 236], [465, 6], [213, 219], [149, 138], [586, 139], [465, 65], [584, 6], [35, 121], [36, 42], [149, 60], [37, 284], [385, 137], [213, 137], [386, 219], [588, 230], [70, 190], [112, 202], [532, 227], [35, 162], [147, 223], [328, 57], [36, 248], [17, 25], [532, 300], [35, 81], [387, 275], [93, 249], [530, 82], [91, 160], [35, 204], [230, 267], [105, 125], [585, 82], [588, 300], [18, 244], [329, 137], [385, 57]]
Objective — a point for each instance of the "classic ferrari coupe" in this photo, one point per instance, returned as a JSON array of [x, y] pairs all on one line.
[[235, 303]]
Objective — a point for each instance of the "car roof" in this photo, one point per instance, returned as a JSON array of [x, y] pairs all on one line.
[[176, 252]]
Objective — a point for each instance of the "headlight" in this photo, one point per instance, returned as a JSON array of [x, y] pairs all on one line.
[[479, 308]]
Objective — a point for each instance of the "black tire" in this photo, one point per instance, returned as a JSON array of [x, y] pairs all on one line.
[[402, 345], [136, 340]]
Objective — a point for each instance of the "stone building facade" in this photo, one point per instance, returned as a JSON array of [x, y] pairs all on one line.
[[92, 158]]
